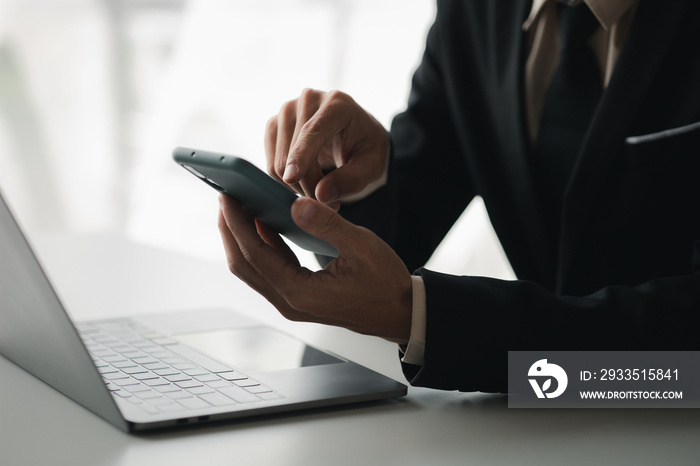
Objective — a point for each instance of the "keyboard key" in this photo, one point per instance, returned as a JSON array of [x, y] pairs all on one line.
[[246, 383], [233, 375], [134, 370], [123, 364], [178, 395], [136, 388], [167, 388], [115, 375], [177, 378], [171, 359], [193, 403], [217, 399], [219, 383], [238, 394], [113, 358], [124, 350], [189, 384], [127, 381], [200, 390], [156, 382], [144, 395], [183, 366], [140, 344], [268, 396], [258, 389], [168, 371], [144, 360], [144, 375], [155, 366], [164, 341], [106, 340], [112, 387], [207, 378], [117, 346], [151, 348]]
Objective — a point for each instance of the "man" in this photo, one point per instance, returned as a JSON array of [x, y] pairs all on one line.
[[591, 187]]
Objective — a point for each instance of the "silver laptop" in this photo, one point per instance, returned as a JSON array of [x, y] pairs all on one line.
[[165, 370]]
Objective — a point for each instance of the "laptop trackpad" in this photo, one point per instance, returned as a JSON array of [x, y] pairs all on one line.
[[256, 349]]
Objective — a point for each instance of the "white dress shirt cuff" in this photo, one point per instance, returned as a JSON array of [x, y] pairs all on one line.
[[415, 350]]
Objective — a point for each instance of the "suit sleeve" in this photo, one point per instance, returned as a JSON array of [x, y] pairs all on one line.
[[473, 322]]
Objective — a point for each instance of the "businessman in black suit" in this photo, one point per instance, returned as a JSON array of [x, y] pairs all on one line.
[[582, 137]]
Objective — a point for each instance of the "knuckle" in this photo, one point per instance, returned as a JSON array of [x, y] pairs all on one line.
[[296, 299], [311, 129], [278, 167], [271, 168], [271, 125], [250, 253], [288, 110], [336, 95], [339, 99], [308, 94], [221, 223], [233, 267]]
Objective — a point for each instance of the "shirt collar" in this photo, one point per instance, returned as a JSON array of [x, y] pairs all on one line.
[[608, 12]]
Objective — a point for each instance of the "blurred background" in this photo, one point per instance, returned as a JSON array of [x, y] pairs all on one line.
[[94, 95]]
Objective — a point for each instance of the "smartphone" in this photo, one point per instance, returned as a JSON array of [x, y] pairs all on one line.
[[261, 195]]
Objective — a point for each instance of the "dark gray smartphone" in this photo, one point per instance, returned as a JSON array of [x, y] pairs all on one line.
[[261, 195]]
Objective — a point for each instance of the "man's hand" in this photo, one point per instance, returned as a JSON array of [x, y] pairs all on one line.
[[327, 133], [367, 288]]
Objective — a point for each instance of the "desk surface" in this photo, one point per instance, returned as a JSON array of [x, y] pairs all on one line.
[[105, 276]]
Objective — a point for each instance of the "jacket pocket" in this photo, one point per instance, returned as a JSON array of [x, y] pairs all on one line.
[[669, 146]]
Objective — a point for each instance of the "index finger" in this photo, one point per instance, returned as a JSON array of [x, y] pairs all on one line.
[[331, 118]]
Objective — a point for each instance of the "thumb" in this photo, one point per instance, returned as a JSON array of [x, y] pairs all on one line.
[[325, 223]]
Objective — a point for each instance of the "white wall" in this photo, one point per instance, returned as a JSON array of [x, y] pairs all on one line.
[[94, 94]]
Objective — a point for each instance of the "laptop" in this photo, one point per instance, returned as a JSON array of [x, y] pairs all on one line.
[[165, 370]]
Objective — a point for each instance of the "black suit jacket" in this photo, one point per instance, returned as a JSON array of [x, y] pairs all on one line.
[[621, 269]]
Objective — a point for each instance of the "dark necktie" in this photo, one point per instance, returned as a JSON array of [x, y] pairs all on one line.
[[568, 106]]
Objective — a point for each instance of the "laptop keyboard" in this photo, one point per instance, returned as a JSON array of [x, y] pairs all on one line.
[[160, 375]]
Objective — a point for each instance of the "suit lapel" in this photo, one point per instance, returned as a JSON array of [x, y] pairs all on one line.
[[635, 71]]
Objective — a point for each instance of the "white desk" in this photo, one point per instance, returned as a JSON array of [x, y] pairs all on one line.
[[107, 276]]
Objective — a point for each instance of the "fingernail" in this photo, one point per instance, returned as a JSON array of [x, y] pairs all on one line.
[[290, 172], [307, 211]]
